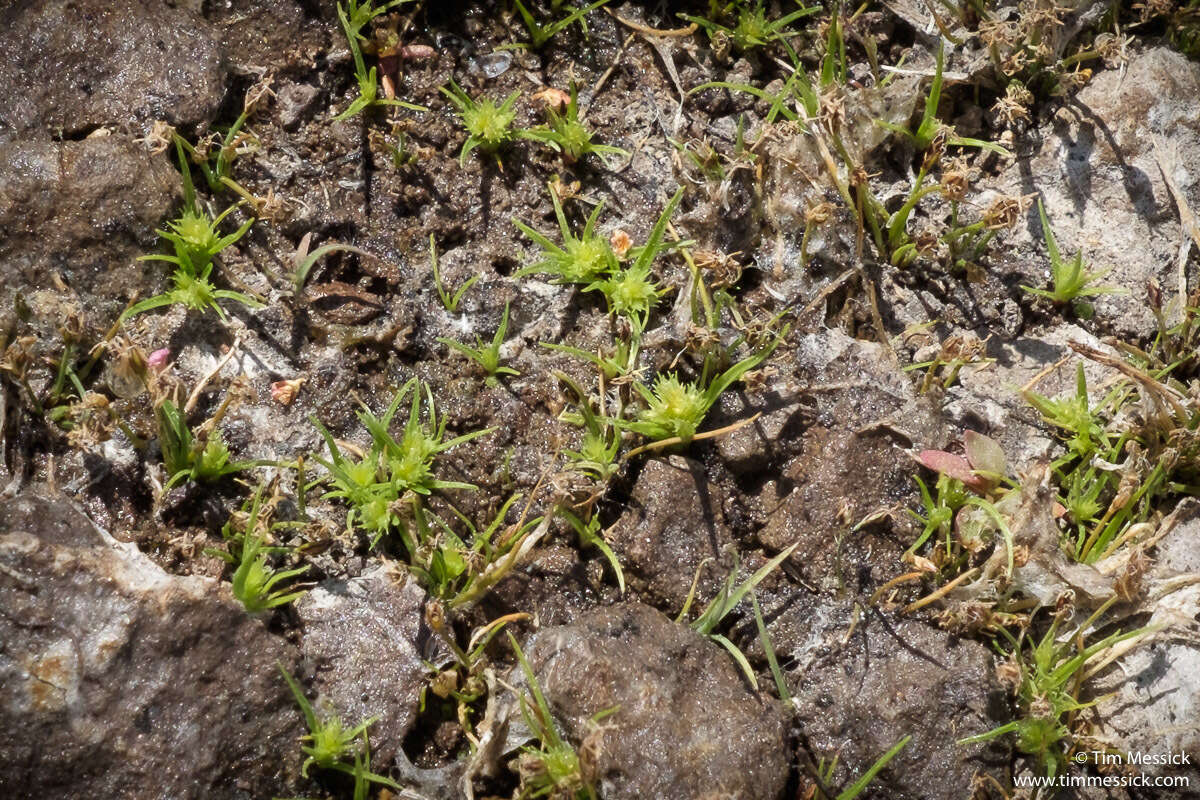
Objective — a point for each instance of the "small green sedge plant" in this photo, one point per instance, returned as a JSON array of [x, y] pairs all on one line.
[[567, 135], [675, 410], [631, 292], [329, 743], [196, 239], [354, 16], [1071, 279], [255, 583], [1048, 679], [486, 356], [580, 259], [540, 34], [489, 126], [825, 771], [187, 457], [374, 483], [751, 26]]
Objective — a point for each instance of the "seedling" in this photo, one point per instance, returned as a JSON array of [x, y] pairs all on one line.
[[1047, 679], [552, 768], [305, 261], [196, 240], [539, 34], [581, 259], [489, 126], [825, 773], [486, 356], [726, 601], [391, 468], [1070, 278], [255, 581], [676, 410], [568, 135], [450, 302], [190, 457], [368, 89], [590, 536], [330, 744], [752, 27]]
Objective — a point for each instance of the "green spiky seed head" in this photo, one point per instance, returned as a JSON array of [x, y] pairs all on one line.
[[632, 293], [489, 123], [677, 408], [587, 258], [196, 232]]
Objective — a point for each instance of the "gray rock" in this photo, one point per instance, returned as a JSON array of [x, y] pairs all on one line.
[[674, 521], [857, 696], [125, 681], [365, 639], [687, 726], [84, 210], [295, 101], [91, 62], [1096, 168], [852, 457], [82, 64]]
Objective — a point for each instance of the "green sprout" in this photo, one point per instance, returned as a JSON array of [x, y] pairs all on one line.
[[1047, 678], [489, 126], [1070, 277], [568, 135], [539, 34], [330, 744], [825, 773], [255, 581], [486, 356], [675, 410], [450, 302], [196, 240], [751, 27], [187, 457], [930, 126], [354, 17], [597, 455], [373, 484], [725, 602], [581, 259], [552, 767]]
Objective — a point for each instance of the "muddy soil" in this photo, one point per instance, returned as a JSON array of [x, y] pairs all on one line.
[[131, 670]]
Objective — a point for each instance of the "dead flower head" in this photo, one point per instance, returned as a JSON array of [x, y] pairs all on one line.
[[1006, 210], [553, 99], [620, 243], [723, 268], [956, 179], [1014, 105], [159, 137], [257, 94]]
